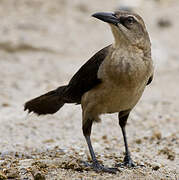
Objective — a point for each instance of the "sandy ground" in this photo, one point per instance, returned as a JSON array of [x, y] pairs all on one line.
[[42, 44]]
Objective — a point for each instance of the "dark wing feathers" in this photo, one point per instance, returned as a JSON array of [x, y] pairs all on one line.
[[150, 80], [85, 78]]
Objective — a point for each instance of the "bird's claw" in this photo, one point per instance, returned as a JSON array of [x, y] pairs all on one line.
[[126, 163], [100, 168]]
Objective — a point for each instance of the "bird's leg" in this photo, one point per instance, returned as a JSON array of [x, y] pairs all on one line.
[[95, 164], [127, 159]]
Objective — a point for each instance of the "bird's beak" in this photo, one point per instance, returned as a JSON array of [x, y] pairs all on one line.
[[107, 17]]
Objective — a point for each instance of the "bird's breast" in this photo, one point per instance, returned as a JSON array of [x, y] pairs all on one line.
[[125, 71], [124, 79]]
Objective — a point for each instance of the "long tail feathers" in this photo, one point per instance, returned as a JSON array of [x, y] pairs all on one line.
[[48, 103]]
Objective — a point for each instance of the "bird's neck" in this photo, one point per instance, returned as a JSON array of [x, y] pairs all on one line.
[[121, 43], [127, 49]]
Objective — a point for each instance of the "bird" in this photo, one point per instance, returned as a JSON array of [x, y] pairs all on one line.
[[111, 81]]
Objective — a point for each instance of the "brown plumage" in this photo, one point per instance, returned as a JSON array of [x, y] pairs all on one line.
[[113, 80]]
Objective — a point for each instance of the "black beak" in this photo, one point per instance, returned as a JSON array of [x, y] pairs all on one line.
[[107, 17]]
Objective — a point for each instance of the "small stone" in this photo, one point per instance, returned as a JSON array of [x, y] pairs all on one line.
[[138, 150], [81, 153], [142, 164], [164, 23], [49, 141], [5, 104], [171, 156], [39, 176], [146, 138], [138, 141], [156, 166], [104, 137], [156, 135]]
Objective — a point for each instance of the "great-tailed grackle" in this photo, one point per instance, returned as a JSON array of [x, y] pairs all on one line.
[[113, 80]]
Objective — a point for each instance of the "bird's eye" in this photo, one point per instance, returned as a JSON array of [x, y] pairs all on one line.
[[130, 20]]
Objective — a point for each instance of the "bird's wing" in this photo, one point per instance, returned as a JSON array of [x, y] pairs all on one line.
[[85, 78]]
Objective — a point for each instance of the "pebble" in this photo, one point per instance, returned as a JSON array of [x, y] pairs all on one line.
[[164, 23], [156, 135], [155, 166], [39, 176], [5, 104], [138, 141]]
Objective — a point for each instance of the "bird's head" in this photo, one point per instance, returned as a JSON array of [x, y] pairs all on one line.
[[128, 28]]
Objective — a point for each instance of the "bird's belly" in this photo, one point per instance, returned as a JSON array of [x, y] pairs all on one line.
[[119, 99], [107, 98]]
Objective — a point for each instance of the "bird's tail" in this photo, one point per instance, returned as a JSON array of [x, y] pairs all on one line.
[[48, 103]]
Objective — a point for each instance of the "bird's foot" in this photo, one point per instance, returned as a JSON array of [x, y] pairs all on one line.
[[100, 168], [126, 163]]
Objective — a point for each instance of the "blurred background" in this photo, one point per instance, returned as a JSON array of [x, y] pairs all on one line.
[[42, 44]]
